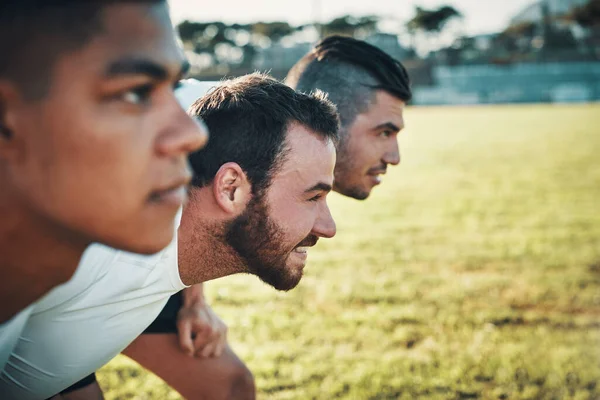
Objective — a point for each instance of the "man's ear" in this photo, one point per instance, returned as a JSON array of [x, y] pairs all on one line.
[[231, 188], [9, 98]]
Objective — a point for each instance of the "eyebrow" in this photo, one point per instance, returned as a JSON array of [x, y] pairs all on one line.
[[388, 125], [319, 186], [135, 66]]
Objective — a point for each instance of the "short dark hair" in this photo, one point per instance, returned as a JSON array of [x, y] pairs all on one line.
[[248, 119], [349, 70], [66, 24]]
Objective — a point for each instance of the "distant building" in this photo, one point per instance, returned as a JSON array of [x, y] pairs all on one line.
[[546, 14], [483, 42], [514, 83], [534, 12]]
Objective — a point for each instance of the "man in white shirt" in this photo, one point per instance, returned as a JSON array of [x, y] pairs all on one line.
[[93, 144], [257, 203], [75, 166]]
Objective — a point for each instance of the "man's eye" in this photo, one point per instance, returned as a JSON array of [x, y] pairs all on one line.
[[139, 95], [386, 134], [316, 198]]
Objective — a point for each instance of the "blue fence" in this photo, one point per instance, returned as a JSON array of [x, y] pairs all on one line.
[[516, 83]]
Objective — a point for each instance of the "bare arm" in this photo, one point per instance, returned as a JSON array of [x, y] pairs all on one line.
[[201, 332]]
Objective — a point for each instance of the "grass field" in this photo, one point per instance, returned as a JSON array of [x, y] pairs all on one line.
[[472, 272]]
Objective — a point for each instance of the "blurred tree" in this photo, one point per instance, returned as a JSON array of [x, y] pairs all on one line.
[[430, 23], [554, 37], [189, 30], [515, 39], [275, 31], [351, 26], [522, 29], [236, 45], [588, 15], [559, 39], [212, 38], [248, 54]]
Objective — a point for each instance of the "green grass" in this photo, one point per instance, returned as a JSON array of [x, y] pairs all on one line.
[[472, 272]]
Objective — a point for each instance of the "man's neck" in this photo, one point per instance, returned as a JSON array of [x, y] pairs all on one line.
[[203, 253], [35, 256]]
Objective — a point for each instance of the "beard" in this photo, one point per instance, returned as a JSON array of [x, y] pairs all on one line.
[[345, 172], [260, 244]]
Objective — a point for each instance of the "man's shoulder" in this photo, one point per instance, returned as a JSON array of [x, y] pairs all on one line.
[[101, 266], [98, 256], [124, 258], [10, 331]]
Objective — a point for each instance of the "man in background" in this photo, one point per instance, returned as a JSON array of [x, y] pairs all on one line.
[[370, 90]]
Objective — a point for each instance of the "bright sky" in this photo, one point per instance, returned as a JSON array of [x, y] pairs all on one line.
[[481, 16]]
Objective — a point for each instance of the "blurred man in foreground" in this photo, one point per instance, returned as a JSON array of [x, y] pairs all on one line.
[[257, 203], [93, 143]]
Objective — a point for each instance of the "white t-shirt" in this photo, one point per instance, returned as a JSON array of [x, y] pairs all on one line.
[[10, 332], [83, 324], [80, 325]]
